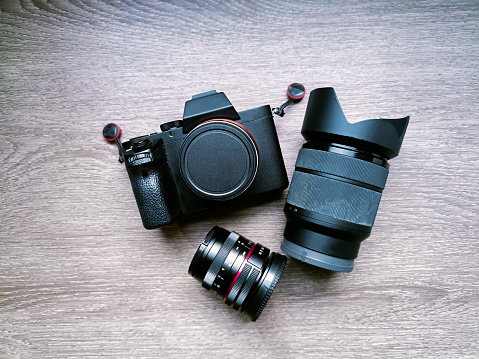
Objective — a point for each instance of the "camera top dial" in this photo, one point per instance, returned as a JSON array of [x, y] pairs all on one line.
[[219, 159]]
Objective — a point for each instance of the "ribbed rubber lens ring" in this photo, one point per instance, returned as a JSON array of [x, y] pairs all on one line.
[[246, 288], [219, 259], [239, 282]]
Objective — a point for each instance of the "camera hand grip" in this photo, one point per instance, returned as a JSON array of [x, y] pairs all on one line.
[[151, 183]]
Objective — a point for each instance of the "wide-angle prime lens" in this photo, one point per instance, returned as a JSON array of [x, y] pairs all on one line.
[[336, 188], [242, 272]]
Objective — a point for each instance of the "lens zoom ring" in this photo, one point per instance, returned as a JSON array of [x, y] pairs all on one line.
[[219, 259], [334, 198], [343, 166]]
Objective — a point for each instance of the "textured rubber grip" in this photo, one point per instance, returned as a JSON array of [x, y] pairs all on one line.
[[150, 183], [247, 287], [238, 284]]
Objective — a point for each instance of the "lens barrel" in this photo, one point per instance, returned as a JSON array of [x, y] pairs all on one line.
[[336, 188], [244, 273]]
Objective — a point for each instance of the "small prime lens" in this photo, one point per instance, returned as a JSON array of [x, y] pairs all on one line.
[[242, 272]]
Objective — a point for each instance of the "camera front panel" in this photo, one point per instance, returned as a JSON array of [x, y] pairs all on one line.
[[270, 173]]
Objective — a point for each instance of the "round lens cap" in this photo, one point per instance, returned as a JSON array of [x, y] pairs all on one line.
[[219, 160], [111, 132], [296, 91]]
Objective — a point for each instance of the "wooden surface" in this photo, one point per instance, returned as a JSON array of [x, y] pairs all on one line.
[[80, 277]]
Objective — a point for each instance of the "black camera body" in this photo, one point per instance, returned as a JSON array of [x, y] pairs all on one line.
[[213, 155]]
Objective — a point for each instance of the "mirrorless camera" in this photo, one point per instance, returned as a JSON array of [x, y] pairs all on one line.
[[212, 156]]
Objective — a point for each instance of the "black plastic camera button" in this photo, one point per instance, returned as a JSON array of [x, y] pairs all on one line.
[[141, 145], [169, 125], [219, 160]]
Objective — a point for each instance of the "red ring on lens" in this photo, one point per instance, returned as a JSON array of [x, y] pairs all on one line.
[[239, 271]]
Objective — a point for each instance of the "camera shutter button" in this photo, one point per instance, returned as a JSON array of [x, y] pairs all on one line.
[[169, 125]]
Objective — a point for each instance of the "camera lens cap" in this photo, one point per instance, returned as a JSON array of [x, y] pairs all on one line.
[[296, 91], [111, 132], [219, 159]]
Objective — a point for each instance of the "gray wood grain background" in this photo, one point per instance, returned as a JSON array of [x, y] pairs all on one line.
[[80, 277]]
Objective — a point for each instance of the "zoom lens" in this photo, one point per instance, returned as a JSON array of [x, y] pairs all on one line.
[[242, 272], [336, 188]]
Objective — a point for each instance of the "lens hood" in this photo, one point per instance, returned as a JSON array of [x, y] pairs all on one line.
[[325, 121]]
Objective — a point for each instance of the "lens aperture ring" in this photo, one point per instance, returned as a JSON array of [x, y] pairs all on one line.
[[246, 288], [219, 260], [239, 276]]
